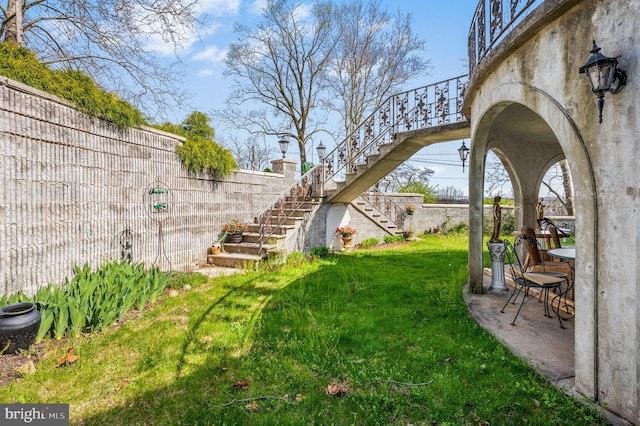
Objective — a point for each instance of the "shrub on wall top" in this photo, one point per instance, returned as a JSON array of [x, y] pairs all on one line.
[[20, 64], [200, 152]]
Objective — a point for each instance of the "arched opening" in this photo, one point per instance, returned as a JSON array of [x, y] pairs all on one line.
[[529, 133]]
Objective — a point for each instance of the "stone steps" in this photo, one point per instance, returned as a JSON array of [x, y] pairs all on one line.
[[247, 253]]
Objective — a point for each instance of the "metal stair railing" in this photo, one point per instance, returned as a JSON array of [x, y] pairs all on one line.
[[286, 204], [427, 106], [385, 205]]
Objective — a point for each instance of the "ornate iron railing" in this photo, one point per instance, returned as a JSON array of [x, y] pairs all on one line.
[[385, 205], [501, 16], [276, 214], [424, 107]]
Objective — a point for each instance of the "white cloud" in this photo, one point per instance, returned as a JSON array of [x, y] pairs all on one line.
[[162, 47], [257, 7], [211, 54], [220, 7], [206, 72]]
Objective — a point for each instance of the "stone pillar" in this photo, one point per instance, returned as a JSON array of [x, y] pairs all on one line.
[[496, 251], [286, 167]]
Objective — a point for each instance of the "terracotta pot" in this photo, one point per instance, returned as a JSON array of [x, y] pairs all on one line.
[[346, 243]]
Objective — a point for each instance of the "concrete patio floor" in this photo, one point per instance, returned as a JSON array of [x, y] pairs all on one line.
[[535, 338]]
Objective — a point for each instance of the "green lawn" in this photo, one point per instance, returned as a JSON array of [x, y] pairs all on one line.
[[373, 337]]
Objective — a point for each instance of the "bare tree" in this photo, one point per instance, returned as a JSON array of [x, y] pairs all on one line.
[[108, 40], [405, 175], [277, 65], [249, 154], [375, 55], [563, 191]]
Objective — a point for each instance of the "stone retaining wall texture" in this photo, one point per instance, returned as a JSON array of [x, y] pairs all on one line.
[[76, 189], [72, 185]]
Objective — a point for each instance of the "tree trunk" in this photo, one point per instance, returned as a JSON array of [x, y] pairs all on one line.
[[13, 33], [568, 187]]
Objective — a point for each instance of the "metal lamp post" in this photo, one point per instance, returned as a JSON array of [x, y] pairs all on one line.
[[322, 150], [463, 151], [284, 145]]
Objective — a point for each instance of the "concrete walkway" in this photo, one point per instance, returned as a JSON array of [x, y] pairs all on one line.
[[535, 338]]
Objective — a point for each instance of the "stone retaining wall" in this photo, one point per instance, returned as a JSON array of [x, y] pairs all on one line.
[[76, 189]]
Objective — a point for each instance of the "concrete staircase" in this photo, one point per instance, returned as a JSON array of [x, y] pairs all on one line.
[[250, 252], [381, 210], [375, 166]]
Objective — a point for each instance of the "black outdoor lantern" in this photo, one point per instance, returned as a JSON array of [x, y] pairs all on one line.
[[604, 76], [464, 153], [284, 144], [322, 150]]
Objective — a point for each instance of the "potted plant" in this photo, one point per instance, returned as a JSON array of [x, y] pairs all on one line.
[[410, 209], [216, 247], [346, 232], [233, 230]]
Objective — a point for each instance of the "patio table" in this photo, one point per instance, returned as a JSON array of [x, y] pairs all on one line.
[[568, 254]]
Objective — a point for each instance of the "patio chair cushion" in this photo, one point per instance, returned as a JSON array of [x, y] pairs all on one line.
[[543, 279]]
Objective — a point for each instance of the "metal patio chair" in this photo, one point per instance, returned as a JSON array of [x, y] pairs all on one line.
[[524, 281]]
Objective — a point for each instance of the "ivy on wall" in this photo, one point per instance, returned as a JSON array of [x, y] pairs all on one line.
[[21, 64], [198, 153]]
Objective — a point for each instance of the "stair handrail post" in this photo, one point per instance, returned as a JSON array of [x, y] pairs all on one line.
[[391, 211], [302, 188]]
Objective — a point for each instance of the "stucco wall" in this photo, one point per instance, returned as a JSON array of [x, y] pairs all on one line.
[[539, 70], [72, 184]]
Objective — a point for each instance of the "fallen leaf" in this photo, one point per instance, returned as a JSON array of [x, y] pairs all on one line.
[[252, 406], [336, 389], [448, 360], [69, 358], [298, 397], [241, 384]]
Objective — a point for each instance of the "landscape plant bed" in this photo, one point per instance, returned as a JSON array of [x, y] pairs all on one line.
[[373, 337]]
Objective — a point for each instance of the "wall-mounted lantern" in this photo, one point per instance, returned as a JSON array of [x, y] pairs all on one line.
[[604, 76]]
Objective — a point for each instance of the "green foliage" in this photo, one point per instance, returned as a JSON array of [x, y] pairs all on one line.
[[449, 228], [21, 64], [295, 258], [393, 239], [93, 301], [179, 279], [200, 152], [370, 242], [420, 188], [391, 325], [507, 227], [319, 251], [503, 201]]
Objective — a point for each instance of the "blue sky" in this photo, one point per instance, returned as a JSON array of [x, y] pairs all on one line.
[[444, 26]]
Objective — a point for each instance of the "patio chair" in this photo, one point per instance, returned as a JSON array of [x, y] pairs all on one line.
[[525, 281], [535, 258]]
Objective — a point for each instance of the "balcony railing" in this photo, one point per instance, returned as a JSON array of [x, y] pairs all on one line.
[[501, 16], [424, 107]]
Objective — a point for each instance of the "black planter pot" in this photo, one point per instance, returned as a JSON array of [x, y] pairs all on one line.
[[19, 324], [235, 238]]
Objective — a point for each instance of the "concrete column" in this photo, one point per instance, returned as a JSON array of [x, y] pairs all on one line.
[[286, 167], [496, 251]]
